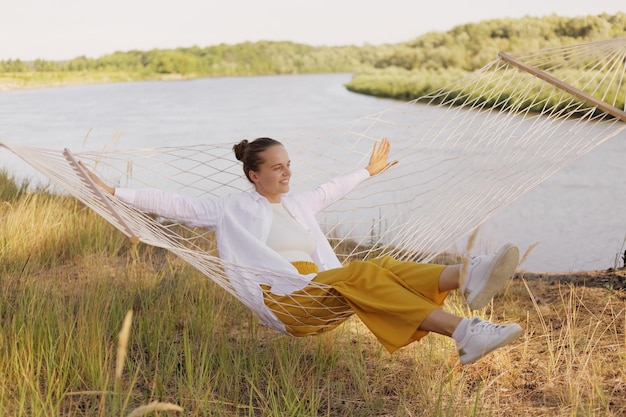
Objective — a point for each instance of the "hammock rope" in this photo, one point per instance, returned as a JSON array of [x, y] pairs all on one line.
[[466, 151]]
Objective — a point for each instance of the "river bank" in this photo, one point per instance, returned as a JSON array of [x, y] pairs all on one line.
[[34, 80]]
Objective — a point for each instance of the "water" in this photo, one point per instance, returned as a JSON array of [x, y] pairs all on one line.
[[577, 216]]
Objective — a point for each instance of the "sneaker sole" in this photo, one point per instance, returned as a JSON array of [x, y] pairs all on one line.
[[503, 269], [515, 330]]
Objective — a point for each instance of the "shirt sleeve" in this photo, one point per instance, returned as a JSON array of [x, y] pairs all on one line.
[[194, 211], [325, 194]]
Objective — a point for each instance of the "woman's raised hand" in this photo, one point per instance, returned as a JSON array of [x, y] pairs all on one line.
[[378, 160], [97, 180]]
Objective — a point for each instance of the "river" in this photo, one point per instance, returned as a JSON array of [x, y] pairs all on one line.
[[577, 216]]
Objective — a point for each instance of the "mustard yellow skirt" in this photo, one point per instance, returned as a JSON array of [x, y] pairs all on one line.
[[391, 297]]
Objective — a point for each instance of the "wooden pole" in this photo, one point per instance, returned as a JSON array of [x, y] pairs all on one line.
[[607, 108]]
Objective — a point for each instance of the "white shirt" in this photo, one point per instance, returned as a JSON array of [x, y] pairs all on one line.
[[287, 237], [241, 223]]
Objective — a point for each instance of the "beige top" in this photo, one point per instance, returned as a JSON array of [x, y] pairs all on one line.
[[288, 237]]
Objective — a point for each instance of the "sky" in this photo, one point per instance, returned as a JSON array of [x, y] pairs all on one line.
[[65, 29]]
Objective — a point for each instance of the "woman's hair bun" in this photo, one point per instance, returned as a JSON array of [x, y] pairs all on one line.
[[240, 149]]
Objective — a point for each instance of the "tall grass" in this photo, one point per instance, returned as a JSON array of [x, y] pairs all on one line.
[[68, 281]]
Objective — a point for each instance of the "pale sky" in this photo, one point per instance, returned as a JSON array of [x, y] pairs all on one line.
[[64, 29]]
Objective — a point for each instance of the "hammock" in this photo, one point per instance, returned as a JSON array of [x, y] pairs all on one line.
[[466, 151]]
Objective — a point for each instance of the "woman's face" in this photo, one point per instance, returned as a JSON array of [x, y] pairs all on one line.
[[272, 178]]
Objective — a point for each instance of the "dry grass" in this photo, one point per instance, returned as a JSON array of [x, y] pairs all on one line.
[[193, 346]]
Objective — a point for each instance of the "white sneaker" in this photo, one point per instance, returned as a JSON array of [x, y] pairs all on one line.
[[483, 337], [487, 274]]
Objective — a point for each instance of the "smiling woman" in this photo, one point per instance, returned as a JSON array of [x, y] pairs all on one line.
[[306, 290], [269, 172]]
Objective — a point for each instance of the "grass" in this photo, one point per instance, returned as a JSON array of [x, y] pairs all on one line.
[[34, 79], [68, 282]]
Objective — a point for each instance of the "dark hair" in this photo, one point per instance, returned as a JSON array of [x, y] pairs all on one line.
[[249, 153]]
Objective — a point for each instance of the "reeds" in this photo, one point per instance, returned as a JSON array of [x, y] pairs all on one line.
[[70, 347]]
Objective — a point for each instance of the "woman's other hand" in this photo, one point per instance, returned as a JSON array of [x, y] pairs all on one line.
[[378, 161], [97, 180]]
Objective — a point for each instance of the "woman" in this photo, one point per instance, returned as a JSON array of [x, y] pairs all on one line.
[[273, 229]]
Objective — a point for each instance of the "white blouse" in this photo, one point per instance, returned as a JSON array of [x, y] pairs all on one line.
[[241, 222]]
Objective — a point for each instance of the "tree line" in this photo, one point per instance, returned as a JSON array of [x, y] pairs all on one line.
[[403, 70], [412, 69], [249, 58]]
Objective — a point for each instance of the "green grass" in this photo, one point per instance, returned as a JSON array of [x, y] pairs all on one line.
[[34, 79], [68, 280]]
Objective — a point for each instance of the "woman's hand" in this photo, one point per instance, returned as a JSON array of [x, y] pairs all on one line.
[[97, 180], [378, 161]]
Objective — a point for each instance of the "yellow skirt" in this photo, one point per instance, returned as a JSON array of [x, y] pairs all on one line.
[[391, 297]]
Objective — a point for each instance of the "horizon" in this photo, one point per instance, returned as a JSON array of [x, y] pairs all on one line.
[[66, 30]]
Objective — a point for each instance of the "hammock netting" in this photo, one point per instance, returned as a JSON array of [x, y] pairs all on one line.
[[465, 152]]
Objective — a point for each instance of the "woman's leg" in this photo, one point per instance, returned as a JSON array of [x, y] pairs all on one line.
[[401, 302], [450, 278], [482, 277], [393, 308], [440, 322], [474, 337], [479, 280]]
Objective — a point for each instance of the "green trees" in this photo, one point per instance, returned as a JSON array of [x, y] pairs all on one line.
[[13, 66], [410, 69], [402, 70], [258, 58], [473, 45]]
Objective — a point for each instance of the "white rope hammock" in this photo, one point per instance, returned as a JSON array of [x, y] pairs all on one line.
[[465, 151]]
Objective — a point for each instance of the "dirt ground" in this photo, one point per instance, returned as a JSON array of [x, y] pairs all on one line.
[[614, 279]]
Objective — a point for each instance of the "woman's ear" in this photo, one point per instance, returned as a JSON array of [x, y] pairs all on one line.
[[253, 176]]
